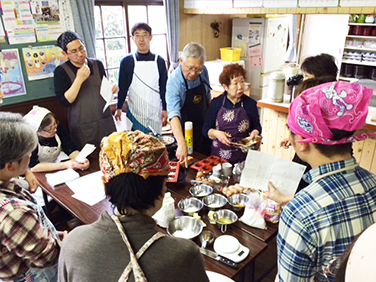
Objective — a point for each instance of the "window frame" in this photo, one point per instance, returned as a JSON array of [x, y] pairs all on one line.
[[124, 4]]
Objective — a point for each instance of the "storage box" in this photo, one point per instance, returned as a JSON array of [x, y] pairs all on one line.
[[230, 54]]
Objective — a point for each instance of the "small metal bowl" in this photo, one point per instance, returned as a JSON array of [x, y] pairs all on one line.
[[186, 227], [167, 140], [190, 205], [238, 201], [200, 190], [214, 201], [224, 218]]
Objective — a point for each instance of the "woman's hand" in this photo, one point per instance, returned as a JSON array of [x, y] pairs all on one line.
[[83, 166], [276, 196], [182, 153], [254, 133], [285, 143], [221, 136], [32, 180]]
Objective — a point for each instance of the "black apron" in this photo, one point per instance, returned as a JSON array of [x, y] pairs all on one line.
[[194, 109], [87, 121]]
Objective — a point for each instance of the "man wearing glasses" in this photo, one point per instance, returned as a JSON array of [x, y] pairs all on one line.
[[188, 96], [77, 86], [144, 74]]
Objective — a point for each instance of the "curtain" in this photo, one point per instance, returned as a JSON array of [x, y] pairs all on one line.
[[291, 51], [83, 17], [172, 18]]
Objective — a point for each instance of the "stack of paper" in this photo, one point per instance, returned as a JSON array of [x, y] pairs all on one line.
[[61, 176], [89, 188]]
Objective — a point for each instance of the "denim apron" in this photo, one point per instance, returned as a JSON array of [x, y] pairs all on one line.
[[194, 109]]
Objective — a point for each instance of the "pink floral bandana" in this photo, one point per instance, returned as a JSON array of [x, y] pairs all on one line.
[[132, 151], [334, 105]]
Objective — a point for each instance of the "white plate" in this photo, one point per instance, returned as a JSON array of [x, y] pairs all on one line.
[[216, 277]]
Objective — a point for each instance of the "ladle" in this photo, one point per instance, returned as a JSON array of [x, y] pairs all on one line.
[[206, 237]]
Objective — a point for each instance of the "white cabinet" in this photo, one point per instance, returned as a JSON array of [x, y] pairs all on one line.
[[359, 56]]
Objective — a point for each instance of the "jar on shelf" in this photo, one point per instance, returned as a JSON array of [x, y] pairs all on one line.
[[359, 71], [373, 31], [348, 70], [367, 30], [352, 30], [373, 73], [358, 30]]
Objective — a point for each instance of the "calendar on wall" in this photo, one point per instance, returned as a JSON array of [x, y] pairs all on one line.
[[318, 3], [247, 4], [357, 3], [280, 3]]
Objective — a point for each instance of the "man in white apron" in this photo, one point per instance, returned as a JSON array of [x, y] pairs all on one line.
[[144, 75], [340, 201]]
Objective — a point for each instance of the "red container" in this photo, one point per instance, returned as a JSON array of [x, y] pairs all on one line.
[[367, 30], [373, 31], [206, 165], [359, 30], [173, 176]]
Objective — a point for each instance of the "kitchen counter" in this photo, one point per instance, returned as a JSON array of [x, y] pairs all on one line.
[[274, 130]]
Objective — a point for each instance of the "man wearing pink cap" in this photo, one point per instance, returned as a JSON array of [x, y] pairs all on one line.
[[340, 201]]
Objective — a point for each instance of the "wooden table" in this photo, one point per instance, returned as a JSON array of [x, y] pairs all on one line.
[[88, 214]]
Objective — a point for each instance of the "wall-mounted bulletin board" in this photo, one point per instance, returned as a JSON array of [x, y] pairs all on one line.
[[28, 55]]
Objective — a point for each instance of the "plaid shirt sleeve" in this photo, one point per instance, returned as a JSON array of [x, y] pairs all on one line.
[[296, 248], [27, 242]]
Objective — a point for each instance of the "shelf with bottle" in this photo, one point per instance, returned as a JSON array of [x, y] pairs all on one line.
[[353, 72], [363, 24], [362, 63]]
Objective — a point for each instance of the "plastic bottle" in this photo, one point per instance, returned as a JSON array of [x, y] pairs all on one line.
[[167, 212], [189, 136]]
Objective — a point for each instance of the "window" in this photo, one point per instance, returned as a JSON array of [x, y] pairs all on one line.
[[113, 24]]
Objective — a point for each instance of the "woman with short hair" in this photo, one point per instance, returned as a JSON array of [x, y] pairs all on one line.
[[231, 116], [29, 241], [135, 167]]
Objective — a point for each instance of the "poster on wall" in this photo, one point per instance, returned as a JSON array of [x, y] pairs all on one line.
[[18, 21], [12, 83], [41, 61], [47, 19]]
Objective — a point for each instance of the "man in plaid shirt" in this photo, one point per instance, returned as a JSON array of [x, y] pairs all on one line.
[[340, 202], [29, 243]]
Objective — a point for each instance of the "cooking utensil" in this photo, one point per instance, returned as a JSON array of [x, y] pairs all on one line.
[[238, 201], [206, 238], [200, 190], [224, 218], [219, 258], [186, 227], [214, 201], [190, 205], [154, 132]]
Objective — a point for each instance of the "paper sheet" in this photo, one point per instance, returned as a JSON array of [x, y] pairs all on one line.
[[61, 176], [255, 56], [86, 150], [285, 175], [106, 92], [124, 124], [89, 188]]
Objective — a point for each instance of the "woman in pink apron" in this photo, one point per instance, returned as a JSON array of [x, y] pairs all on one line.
[[126, 245], [231, 116]]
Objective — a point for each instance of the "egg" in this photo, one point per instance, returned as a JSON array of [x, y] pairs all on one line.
[[198, 179], [200, 174]]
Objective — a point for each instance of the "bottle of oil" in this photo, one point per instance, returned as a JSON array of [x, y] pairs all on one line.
[[189, 136]]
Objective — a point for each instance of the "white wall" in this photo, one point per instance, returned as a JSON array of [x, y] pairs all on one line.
[[324, 34]]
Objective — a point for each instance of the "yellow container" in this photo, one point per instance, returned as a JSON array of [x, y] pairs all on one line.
[[230, 54]]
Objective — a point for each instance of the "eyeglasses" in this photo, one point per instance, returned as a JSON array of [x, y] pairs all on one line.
[[74, 52], [139, 36], [51, 128], [195, 70]]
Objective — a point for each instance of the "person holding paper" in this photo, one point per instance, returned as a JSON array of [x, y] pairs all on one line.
[[53, 139], [135, 168], [144, 75], [320, 222], [232, 116], [188, 98], [30, 244], [77, 86]]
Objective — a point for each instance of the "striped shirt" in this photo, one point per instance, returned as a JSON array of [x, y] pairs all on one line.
[[24, 242], [323, 219]]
